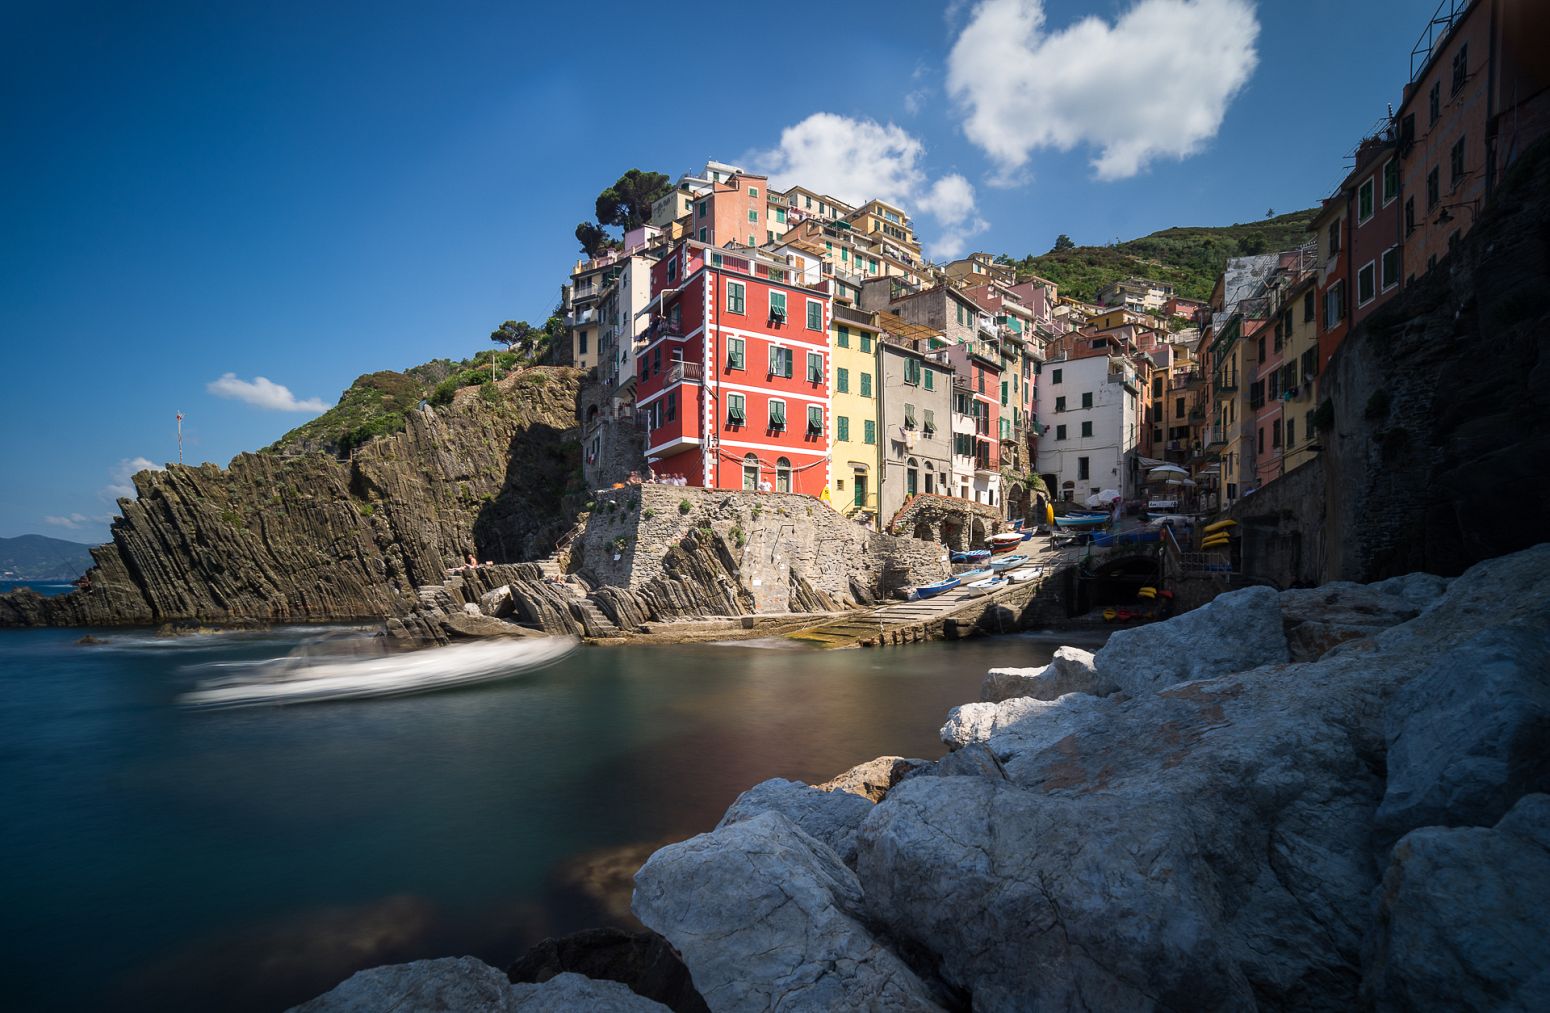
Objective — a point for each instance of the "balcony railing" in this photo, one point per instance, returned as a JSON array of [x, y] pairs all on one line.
[[1227, 382], [685, 372]]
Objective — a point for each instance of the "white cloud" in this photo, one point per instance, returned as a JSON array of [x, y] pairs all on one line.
[[1154, 84], [859, 160], [122, 476], [73, 521], [262, 392]]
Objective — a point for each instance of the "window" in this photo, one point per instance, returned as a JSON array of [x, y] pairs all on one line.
[[1087, 399], [1434, 102], [815, 367], [1261, 441], [581, 343], [735, 347], [736, 405], [780, 215], [842, 427], [1178, 408], [1057, 377], [777, 413], [869, 431], [1364, 200], [866, 384], [1275, 434], [1087, 428], [866, 343], [929, 425], [753, 191], [930, 379], [1309, 364], [670, 405], [1334, 237], [753, 217], [1291, 432], [1366, 284], [860, 484], [911, 476], [704, 233], [1460, 67], [909, 416], [963, 444], [736, 297], [1390, 181], [911, 372], [842, 380], [1334, 305], [782, 474], [1409, 215], [1390, 267], [1060, 432], [778, 306], [814, 419], [781, 361], [843, 338], [656, 360], [814, 315], [702, 207], [750, 472], [1060, 404], [1433, 189], [1307, 306], [1005, 393], [751, 240], [1081, 468], [1456, 163]]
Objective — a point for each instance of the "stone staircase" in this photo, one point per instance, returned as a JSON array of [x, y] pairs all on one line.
[[583, 607]]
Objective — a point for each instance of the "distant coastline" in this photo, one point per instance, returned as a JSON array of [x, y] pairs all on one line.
[[46, 586]]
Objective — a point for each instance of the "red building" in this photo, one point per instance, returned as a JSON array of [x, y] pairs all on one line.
[[733, 382]]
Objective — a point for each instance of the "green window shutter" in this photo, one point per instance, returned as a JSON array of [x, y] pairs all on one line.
[[866, 342], [1003, 393], [735, 414], [843, 340], [930, 379], [870, 431], [866, 384], [842, 427], [930, 423], [814, 419], [909, 416], [842, 380], [815, 316], [815, 367], [778, 304], [735, 353], [777, 414]]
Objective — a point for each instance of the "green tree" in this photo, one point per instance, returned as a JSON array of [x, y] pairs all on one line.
[[593, 239], [627, 203], [1063, 242], [518, 336]]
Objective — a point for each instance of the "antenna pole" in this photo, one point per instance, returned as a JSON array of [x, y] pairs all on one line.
[[180, 437]]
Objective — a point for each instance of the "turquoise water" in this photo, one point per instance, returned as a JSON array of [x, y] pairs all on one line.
[[157, 858], [43, 587]]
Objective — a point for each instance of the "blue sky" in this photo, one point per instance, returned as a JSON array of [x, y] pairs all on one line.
[[308, 192]]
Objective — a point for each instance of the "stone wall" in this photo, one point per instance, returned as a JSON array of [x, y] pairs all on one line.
[[947, 520], [1437, 457], [1281, 528], [785, 547], [612, 444]]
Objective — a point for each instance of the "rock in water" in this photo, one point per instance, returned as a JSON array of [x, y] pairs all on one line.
[[767, 917], [466, 985], [1234, 633], [1071, 671], [831, 817], [873, 779], [1461, 920]]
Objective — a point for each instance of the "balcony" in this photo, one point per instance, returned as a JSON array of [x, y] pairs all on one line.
[[684, 372], [581, 318], [1227, 383], [1197, 414], [1188, 381], [1217, 437]]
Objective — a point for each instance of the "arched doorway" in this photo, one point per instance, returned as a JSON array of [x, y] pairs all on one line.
[[977, 533], [750, 472], [930, 479], [911, 477], [859, 490], [782, 474], [923, 531], [952, 534]]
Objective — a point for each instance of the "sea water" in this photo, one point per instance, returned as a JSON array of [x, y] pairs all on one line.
[[157, 858]]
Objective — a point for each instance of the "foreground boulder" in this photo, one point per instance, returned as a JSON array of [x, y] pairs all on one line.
[[831, 817], [643, 961], [1235, 632], [1070, 671], [767, 917], [466, 985]]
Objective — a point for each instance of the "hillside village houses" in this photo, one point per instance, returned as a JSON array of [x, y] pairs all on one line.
[[755, 338]]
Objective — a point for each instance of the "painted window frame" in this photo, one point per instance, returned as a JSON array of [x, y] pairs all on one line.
[[814, 367], [1385, 280], [737, 409], [775, 413], [737, 298], [737, 354], [814, 315]]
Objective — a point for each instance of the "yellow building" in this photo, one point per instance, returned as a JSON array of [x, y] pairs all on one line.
[[1297, 310], [855, 457], [881, 222]]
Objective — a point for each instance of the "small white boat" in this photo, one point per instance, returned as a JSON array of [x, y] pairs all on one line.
[[1025, 574], [990, 583], [310, 679]]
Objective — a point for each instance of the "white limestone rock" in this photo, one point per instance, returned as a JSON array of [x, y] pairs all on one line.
[[1071, 671], [767, 917], [1236, 632], [977, 722], [497, 603], [1462, 919], [568, 992], [831, 817]]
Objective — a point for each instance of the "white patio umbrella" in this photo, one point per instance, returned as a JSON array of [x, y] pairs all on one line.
[[1163, 471]]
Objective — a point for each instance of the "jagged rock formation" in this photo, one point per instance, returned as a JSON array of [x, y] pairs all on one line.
[[312, 537], [1339, 801]]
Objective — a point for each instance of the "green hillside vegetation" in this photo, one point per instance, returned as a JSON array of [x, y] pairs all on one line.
[[377, 404], [39, 557], [1187, 258]]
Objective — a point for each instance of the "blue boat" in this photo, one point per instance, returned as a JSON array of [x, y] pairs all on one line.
[[932, 590], [970, 556], [975, 574], [1007, 562], [1127, 538]]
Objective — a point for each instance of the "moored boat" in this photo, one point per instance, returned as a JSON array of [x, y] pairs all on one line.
[[970, 556], [1007, 562], [932, 590], [1082, 522], [1005, 542]]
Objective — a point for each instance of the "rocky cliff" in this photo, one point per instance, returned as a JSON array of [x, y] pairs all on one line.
[[311, 537], [1316, 799]]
